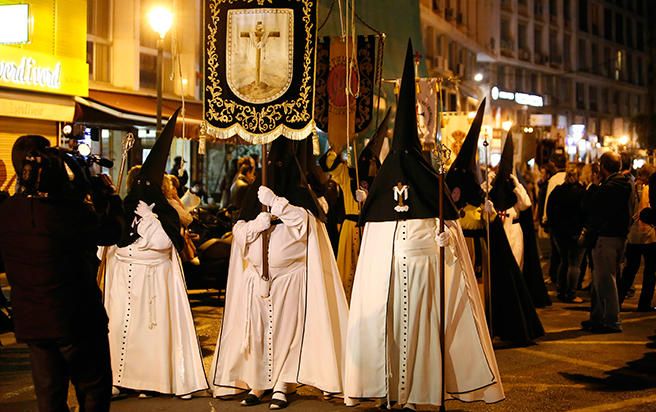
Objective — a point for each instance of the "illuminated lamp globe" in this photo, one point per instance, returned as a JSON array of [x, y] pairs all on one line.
[[161, 20], [478, 77]]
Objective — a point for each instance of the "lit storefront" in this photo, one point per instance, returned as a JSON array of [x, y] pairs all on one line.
[[39, 72]]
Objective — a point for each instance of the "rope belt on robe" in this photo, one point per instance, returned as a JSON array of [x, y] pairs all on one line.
[[151, 272], [352, 218]]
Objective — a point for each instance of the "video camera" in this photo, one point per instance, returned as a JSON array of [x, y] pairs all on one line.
[[57, 172]]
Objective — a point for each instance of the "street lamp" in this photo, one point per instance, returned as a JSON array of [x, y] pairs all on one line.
[[160, 19]]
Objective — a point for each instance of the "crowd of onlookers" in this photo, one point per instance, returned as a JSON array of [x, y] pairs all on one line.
[[591, 215]]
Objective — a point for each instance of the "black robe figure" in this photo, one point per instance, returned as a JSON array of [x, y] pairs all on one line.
[[514, 318], [508, 195]]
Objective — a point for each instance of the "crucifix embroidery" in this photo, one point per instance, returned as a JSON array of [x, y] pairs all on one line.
[[259, 38], [400, 195]]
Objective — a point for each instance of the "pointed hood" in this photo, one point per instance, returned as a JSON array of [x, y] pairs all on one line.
[[502, 193], [369, 161], [148, 188], [464, 178], [288, 166], [154, 167], [406, 186]]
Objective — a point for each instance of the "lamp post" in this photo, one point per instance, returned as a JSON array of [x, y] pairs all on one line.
[[160, 19]]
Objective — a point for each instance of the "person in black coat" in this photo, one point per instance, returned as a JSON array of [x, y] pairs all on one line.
[[607, 226], [48, 238], [565, 216]]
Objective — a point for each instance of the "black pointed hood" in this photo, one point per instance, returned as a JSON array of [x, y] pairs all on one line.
[[369, 160], [288, 166], [148, 188], [405, 168], [502, 193], [464, 176]]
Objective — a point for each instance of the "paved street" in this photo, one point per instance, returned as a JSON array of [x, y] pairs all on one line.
[[568, 370]]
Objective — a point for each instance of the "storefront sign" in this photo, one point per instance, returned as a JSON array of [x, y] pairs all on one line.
[[519, 98], [11, 107], [40, 72]]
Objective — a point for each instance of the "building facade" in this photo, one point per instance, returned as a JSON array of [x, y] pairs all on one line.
[[573, 72]]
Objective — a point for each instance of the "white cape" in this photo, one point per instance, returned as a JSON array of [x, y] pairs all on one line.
[[321, 362], [471, 372]]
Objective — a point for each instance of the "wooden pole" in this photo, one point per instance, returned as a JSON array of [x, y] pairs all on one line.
[[487, 275], [442, 284], [128, 142], [265, 234]]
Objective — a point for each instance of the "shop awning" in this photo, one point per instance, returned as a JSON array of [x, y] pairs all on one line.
[[36, 106], [121, 110]]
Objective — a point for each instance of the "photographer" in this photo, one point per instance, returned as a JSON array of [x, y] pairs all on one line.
[[48, 235]]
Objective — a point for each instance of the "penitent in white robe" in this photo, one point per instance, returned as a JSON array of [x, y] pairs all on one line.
[[393, 347], [152, 339], [297, 333]]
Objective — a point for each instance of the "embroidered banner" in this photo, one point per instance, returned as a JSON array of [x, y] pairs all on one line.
[[454, 130], [331, 73], [259, 69]]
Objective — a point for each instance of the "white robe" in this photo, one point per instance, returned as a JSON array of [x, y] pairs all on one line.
[[393, 342], [295, 335], [152, 339], [512, 227]]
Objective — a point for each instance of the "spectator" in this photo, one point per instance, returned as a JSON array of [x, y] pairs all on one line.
[[590, 179], [243, 180], [565, 215], [559, 161], [606, 229], [48, 238], [641, 242], [179, 171]]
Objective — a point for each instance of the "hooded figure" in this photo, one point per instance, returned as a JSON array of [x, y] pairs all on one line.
[[393, 335], [514, 317], [509, 196], [153, 341], [291, 328]]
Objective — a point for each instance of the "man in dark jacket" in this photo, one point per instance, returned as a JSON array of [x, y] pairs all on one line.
[[48, 238], [607, 226], [565, 216]]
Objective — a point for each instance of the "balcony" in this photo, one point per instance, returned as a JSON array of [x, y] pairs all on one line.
[[553, 19], [522, 9], [538, 10], [449, 14], [507, 47], [525, 54], [541, 58], [506, 5], [556, 60]]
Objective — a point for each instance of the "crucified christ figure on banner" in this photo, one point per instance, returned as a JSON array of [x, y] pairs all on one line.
[[259, 38]]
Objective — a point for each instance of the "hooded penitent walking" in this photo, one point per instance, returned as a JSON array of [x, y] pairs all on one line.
[[514, 317], [513, 205], [393, 344], [290, 328], [152, 338]]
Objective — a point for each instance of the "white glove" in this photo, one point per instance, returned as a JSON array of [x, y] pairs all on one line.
[[360, 195], [487, 185], [443, 239], [143, 210], [489, 207], [266, 196], [262, 222]]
